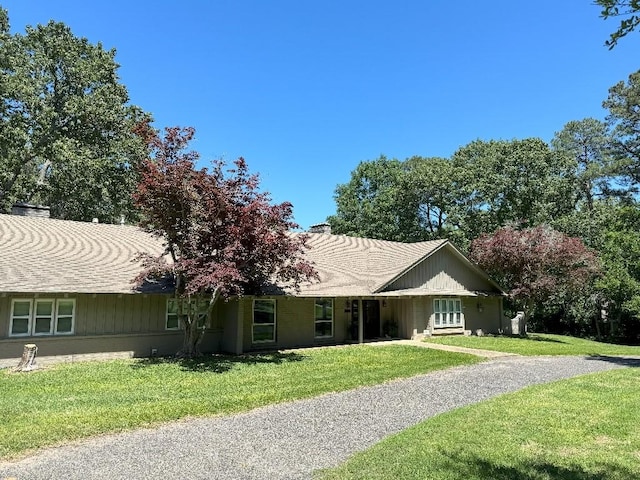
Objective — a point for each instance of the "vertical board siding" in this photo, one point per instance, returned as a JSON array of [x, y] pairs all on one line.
[[227, 316], [104, 314], [103, 323], [489, 320], [138, 345], [405, 317], [5, 307], [295, 322], [441, 271]]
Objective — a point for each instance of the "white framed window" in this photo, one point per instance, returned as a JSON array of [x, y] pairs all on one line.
[[447, 312], [199, 306], [20, 325], [65, 316], [323, 312], [172, 321], [264, 321], [42, 316]]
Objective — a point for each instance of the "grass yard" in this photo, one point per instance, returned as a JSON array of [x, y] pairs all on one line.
[[586, 428], [538, 344], [70, 401]]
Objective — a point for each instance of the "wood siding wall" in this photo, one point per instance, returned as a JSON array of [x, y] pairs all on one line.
[[108, 323], [443, 271], [295, 324], [417, 314], [489, 320]]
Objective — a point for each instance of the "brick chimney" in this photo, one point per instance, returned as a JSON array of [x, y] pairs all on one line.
[[28, 210], [320, 228]]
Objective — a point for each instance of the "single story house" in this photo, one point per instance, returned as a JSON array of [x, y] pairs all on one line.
[[67, 287]]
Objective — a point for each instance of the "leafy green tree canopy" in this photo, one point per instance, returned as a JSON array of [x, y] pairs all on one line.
[[373, 203], [66, 127], [627, 10], [623, 104], [620, 254], [503, 182]]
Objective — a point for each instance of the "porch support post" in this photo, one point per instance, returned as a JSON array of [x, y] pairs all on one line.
[[360, 322]]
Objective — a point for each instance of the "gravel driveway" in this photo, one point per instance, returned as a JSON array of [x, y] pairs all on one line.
[[291, 440]]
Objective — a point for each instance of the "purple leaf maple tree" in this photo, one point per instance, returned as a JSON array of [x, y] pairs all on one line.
[[535, 264], [223, 237]]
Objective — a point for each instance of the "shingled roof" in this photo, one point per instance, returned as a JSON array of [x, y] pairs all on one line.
[[353, 266], [47, 255]]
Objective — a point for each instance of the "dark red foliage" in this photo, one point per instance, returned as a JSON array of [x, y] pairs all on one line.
[[535, 263], [222, 234]]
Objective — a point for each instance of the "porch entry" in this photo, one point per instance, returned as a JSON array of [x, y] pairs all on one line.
[[370, 319]]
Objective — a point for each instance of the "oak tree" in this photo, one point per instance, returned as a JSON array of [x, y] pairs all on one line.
[[374, 203], [504, 182], [66, 125]]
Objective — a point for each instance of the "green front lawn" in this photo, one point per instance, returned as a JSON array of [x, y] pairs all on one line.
[[71, 401], [587, 428], [538, 344]]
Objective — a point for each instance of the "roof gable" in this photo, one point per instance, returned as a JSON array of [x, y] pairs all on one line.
[[354, 266], [445, 271]]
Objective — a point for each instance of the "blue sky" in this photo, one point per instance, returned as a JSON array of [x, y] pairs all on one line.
[[305, 90]]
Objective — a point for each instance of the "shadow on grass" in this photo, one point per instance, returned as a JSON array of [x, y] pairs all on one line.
[[537, 470], [618, 360], [219, 363], [535, 338]]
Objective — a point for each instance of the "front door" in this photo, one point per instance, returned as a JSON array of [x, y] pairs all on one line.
[[371, 318]]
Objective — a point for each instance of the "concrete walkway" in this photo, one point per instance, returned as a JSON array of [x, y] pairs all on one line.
[[449, 348], [292, 440]]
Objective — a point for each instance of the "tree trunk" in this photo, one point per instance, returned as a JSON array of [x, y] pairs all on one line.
[[193, 332], [28, 358], [192, 337], [598, 319]]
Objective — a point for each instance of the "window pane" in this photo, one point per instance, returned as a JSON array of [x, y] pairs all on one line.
[[172, 321], [458, 318], [437, 306], [324, 329], [44, 309], [264, 311], [324, 309], [65, 324], [20, 326], [65, 308], [172, 306], [43, 325], [263, 333], [21, 309]]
